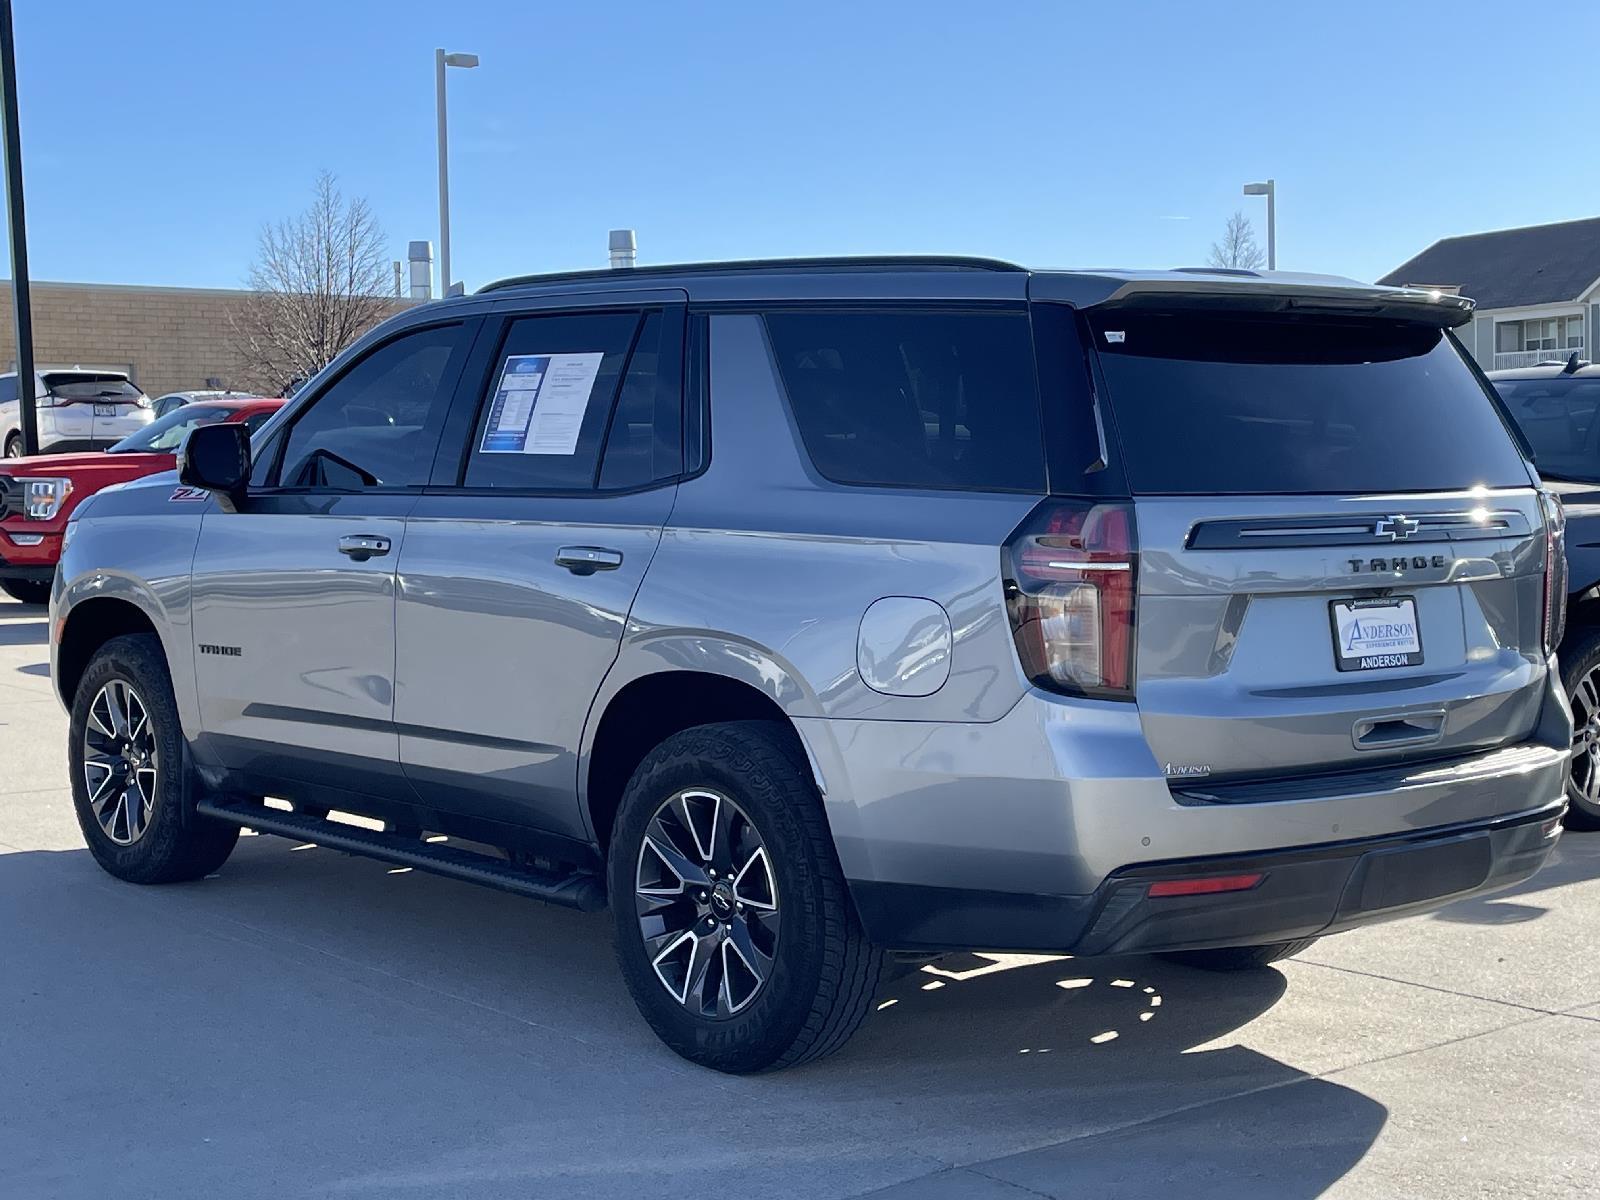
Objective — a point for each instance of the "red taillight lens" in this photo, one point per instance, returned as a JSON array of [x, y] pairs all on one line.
[[1555, 570], [1069, 578]]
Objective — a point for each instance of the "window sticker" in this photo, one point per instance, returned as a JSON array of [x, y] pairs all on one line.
[[540, 403]]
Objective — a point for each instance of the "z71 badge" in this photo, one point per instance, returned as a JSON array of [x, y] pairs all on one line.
[[188, 493]]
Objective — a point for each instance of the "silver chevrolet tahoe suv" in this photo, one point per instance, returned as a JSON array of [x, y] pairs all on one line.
[[814, 614]]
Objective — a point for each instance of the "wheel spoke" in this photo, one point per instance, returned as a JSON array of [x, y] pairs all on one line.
[[137, 718], [101, 791], [701, 814], [1588, 695], [661, 849], [757, 962], [102, 724], [706, 949], [754, 885], [115, 707]]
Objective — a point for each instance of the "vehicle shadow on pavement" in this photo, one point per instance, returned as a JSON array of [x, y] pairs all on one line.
[[23, 626], [1576, 859], [408, 1035]]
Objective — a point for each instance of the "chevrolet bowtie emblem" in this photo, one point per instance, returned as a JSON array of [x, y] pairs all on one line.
[[1396, 529]]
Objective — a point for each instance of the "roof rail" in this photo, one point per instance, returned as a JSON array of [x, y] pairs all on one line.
[[907, 262]]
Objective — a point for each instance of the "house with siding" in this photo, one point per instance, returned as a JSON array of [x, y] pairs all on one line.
[[1537, 288]]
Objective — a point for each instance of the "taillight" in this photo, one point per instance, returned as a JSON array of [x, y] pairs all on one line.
[[1555, 570], [1069, 579]]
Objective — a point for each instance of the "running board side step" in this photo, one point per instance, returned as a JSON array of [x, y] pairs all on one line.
[[577, 890]]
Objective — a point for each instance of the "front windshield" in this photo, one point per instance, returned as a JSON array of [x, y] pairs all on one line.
[[1557, 416], [168, 432]]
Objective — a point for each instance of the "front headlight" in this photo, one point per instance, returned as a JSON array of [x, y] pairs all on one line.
[[43, 498]]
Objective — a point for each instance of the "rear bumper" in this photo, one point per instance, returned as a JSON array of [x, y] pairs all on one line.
[[1041, 832], [1302, 893]]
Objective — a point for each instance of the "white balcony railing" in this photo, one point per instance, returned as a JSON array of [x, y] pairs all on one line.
[[1532, 358]]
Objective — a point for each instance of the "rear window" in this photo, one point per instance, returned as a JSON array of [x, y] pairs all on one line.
[[931, 400], [87, 385], [1557, 417], [1209, 403]]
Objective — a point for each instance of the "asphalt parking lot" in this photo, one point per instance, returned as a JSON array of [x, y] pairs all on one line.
[[311, 1024]]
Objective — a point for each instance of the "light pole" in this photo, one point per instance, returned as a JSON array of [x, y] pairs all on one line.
[[441, 60], [1269, 189]]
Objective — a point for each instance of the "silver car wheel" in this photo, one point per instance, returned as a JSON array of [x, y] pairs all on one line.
[[120, 762], [707, 903]]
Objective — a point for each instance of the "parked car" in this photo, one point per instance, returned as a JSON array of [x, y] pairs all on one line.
[[168, 401], [38, 494], [811, 612], [75, 410], [1555, 406]]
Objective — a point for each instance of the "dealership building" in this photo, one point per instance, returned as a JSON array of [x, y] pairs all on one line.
[[166, 339]]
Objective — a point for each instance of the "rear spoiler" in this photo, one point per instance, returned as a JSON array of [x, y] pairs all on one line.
[[1439, 309]]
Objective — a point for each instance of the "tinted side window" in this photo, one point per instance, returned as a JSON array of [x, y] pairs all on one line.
[[644, 443], [914, 399], [8, 388], [377, 425], [548, 402]]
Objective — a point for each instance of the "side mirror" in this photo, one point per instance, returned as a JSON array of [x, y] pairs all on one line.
[[217, 458]]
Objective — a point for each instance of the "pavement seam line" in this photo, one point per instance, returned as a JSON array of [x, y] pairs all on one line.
[[1431, 987]]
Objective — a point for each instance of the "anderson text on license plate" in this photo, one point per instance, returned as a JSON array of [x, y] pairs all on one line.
[[1371, 634]]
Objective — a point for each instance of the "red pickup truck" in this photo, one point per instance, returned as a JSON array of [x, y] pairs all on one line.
[[38, 494]]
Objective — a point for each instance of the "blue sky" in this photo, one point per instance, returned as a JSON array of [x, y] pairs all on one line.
[[158, 137]]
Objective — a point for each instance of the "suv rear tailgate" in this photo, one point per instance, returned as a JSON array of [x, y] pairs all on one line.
[[1238, 672], [1341, 551]]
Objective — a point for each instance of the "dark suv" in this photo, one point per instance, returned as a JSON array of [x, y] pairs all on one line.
[[1555, 405]]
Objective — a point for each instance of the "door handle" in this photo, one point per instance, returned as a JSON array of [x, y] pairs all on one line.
[[586, 560], [362, 546]]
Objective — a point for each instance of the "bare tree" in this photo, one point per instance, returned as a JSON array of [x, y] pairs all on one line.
[[318, 283], [1238, 246]]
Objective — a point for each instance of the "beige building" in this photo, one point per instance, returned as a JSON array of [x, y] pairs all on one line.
[[167, 339]]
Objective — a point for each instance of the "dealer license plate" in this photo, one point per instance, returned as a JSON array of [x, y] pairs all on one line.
[[1374, 634]]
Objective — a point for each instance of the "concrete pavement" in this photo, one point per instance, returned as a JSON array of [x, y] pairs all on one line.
[[311, 1024]]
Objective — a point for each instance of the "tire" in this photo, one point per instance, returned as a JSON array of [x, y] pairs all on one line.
[[14, 446], [822, 973], [1237, 958], [1580, 666], [29, 591], [172, 843]]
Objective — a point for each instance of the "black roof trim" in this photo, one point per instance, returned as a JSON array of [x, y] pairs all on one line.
[[907, 262]]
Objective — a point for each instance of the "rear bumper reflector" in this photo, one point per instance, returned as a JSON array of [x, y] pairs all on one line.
[[1205, 887]]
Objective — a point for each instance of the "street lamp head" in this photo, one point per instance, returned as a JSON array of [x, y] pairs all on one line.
[[460, 60], [1257, 189]]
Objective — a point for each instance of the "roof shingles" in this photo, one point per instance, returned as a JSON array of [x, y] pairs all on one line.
[[1539, 264]]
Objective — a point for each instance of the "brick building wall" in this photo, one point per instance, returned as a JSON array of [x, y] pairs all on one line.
[[167, 339]]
